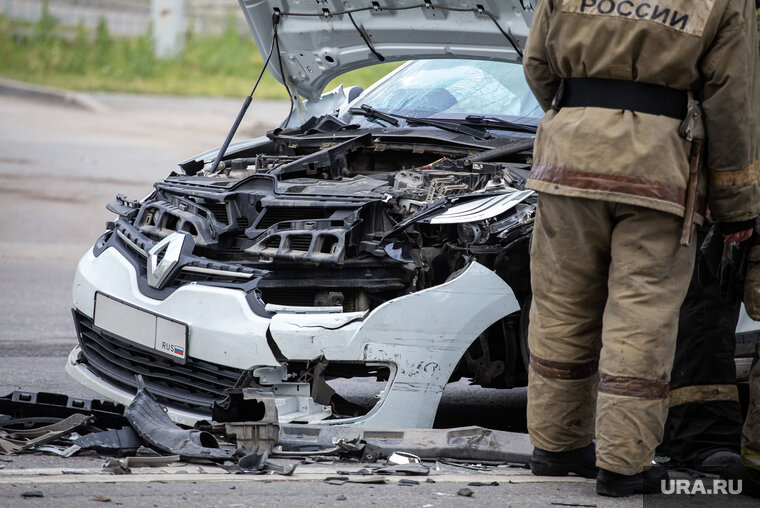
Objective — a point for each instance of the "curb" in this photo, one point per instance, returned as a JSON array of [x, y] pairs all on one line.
[[50, 94]]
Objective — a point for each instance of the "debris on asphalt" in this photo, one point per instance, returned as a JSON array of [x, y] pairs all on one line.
[[48, 433], [128, 462], [117, 470], [466, 464], [33, 493], [398, 458], [116, 442], [483, 484], [341, 498], [464, 492], [470, 445], [361, 472], [258, 463], [558, 503], [404, 469], [368, 480], [141, 439], [66, 425], [155, 427], [7, 446], [100, 498]]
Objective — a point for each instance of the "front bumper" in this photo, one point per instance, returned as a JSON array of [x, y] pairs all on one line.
[[420, 337], [82, 374]]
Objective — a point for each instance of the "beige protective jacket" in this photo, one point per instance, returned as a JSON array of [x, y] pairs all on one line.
[[708, 46]]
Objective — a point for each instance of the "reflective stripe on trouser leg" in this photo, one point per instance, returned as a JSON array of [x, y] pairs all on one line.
[[566, 423], [703, 393], [648, 278], [569, 263]]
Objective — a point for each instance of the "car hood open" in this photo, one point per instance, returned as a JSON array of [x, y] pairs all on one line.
[[320, 40]]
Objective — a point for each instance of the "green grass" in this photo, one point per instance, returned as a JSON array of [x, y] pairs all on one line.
[[223, 65]]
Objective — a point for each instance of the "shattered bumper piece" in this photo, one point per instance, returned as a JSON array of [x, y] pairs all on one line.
[[24, 440], [55, 405], [153, 425], [114, 442]]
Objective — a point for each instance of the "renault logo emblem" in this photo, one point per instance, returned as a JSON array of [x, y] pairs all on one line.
[[163, 257]]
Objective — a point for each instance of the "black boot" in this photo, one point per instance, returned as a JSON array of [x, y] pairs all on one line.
[[725, 463], [581, 461], [622, 485]]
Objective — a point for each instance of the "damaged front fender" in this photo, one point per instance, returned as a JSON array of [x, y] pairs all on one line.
[[421, 337]]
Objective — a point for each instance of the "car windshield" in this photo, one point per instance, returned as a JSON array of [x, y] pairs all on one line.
[[454, 89]]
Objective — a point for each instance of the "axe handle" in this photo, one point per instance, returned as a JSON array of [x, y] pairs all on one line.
[[695, 161]]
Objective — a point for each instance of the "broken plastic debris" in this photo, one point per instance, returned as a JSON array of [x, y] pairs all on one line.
[[44, 435], [128, 462], [465, 492], [257, 462], [398, 458], [335, 480], [367, 479], [124, 441], [152, 424], [58, 450], [7, 446], [404, 469], [470, 444]]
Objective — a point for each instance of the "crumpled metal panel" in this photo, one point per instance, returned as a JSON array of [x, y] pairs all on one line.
[[420, 337]]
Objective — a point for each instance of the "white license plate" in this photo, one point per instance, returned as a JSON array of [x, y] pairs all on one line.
[[165, 336]]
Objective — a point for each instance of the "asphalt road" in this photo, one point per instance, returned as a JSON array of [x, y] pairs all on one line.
[[59, 166]]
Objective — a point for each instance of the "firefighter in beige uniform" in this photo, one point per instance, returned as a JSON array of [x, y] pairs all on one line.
[[608, 270]]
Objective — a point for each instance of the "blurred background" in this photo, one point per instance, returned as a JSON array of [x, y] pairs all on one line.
[[179, 47]]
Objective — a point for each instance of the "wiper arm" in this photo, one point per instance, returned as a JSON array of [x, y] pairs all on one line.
[[371, 113], [448, 125], [491, 122]]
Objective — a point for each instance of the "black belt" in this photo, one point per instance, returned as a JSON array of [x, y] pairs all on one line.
[[618, 94]]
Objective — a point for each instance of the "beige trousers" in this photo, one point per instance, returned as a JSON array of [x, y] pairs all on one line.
[[608, 280]]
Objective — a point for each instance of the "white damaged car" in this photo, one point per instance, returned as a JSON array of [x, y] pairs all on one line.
[[380, 233]]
